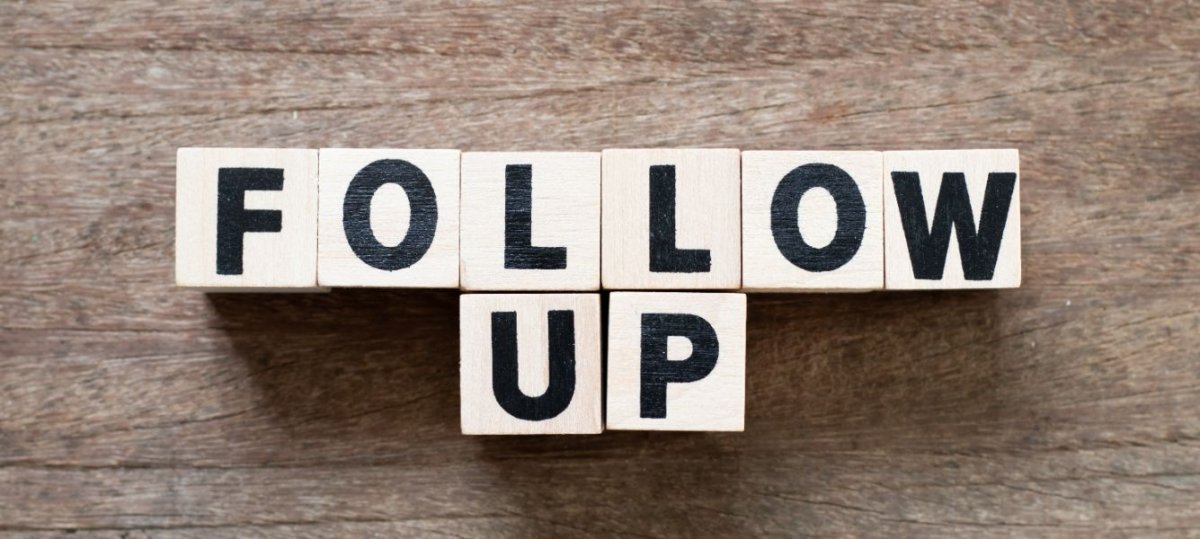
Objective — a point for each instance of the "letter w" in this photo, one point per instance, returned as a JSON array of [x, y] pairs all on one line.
[[927, 246]]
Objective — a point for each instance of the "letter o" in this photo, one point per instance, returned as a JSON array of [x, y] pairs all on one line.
[[851, 217], [423, 214]]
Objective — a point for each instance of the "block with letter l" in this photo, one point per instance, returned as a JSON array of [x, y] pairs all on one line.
[[530, 221], [671, 219]]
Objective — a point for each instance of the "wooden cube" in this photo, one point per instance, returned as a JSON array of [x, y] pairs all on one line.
[[952, 219], [676, 361], [530, 363], [530, 221], [672, 219], [246, 219], [812, 221], [389, 218]]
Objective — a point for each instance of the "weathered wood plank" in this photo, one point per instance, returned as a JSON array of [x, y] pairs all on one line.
[[1068, 407], [669, 31], [704, 485]]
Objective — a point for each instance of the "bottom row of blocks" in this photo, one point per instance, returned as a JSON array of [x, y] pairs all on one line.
[[532, 363]]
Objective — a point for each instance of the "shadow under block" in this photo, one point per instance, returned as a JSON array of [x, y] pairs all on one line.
[[530, 363], [952, 219], [246, 219], [812, 221], [672, 219], [530, 221], [389, 218], [676, 361]]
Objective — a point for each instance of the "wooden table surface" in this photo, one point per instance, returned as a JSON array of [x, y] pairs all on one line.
[[1068, 407]]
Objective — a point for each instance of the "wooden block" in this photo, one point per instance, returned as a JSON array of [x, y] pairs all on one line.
[[671, 219], [812, 221], [952, 219], [676, 361], [246, 219], [530, 363], [389, 218], [530, 221]]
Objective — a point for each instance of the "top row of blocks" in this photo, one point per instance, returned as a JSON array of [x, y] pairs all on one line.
[[627, 219]]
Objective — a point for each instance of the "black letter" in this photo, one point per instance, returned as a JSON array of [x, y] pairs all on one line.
[[422, 217], [658, 371], [519, 252], [851, 217], [562, 367], [927, 247], [233, 219], [664, 257]]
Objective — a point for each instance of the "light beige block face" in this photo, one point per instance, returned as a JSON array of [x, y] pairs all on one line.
[[390, 184], [814, 190], [283, 181], [714, 398], [561, 190], [538, 403], [707, 217], [916, 262]]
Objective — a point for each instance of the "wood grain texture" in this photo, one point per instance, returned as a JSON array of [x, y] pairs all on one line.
[[1068, 407]]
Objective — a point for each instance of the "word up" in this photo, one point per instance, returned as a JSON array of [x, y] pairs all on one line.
[[641, 221]]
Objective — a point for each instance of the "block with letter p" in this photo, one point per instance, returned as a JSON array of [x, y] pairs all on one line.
[[246, 219], [676, 361], [952, 219]]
